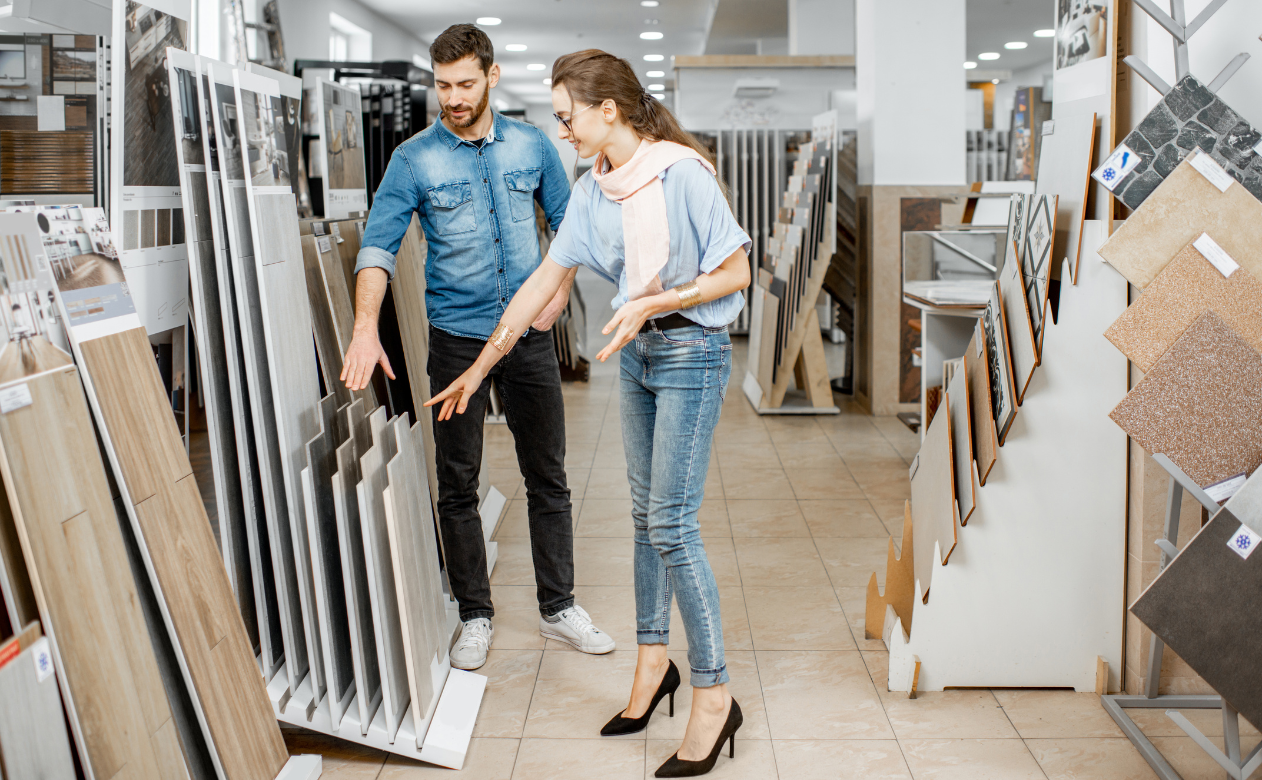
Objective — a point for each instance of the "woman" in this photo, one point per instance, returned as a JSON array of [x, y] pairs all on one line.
[[651, 218]]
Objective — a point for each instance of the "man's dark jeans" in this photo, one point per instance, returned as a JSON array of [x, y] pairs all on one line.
[[529, 384]]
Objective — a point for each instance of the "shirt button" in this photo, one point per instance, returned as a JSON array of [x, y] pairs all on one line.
[[497, 240], [484, 181], [501, 270], [492, 211]]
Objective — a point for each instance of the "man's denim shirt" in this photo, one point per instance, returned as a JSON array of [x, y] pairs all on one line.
[[477, 208]]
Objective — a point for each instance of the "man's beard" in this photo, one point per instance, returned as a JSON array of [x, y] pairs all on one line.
[[474, 115]]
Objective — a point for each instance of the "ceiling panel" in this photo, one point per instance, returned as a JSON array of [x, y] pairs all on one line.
[[992, 23]]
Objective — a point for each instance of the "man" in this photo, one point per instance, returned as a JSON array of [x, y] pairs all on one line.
[[473, 179]]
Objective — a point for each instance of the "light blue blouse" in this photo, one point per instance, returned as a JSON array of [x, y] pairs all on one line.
[[703, 233]]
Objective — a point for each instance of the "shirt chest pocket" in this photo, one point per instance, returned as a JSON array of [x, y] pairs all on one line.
[[452, 208], [521, 192]]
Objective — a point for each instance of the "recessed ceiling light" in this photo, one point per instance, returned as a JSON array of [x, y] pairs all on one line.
[[1044, 33], [1015, 45], [988, 55], [994, 81], [547, 82], [649, 3], [653, 57], [650, 36], [656, 87], [659, 95], [536, 66], [515, 47], [488, 21], [656, 74], [970, 65]]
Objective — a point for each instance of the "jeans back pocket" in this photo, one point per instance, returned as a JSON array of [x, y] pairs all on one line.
[[452, 208]]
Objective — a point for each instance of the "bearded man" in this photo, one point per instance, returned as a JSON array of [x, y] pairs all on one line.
[[473, 179]]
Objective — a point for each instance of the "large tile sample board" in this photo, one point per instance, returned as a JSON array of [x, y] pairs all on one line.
[[286, 323], [934, 509], [32, 722], [408, 287], [1065, 171]]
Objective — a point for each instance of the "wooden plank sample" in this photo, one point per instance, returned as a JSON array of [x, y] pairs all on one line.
[[18, 606], [408, 287], [1186, 288], [1065, 171], [326, 557], [350, 539], [1201, 404], [32, 723], [985, 442], [349, 234], [959, 407], [1202, 605], [60, 499], [381, 584], [900, 584], [287, 333], [1183, 207], [933, 503], [328, 351]]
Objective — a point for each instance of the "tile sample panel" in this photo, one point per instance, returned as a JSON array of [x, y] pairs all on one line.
[[32, 723], [933, 505], [1003, 399], [962, 440], [985, 442], [1065, 171]]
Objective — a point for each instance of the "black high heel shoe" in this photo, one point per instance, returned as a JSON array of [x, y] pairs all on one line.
[[620, 725], [677, 767]]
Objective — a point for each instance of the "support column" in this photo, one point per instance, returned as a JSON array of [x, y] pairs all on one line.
[[909, 65]]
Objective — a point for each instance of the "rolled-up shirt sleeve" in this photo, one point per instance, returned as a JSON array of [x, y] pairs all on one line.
[[393, 204], [711, 216]]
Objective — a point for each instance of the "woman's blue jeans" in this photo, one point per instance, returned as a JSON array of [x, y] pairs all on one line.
[[673, 385]]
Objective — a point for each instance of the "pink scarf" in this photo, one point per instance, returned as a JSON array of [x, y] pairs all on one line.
[[645, 230]]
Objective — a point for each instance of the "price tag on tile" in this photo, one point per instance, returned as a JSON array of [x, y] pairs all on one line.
[[1212, 171], [1216, 255], [324, 244], [317, 228], [43, 658], [1243, 542], [14, 398], [1117, 167], [1225, 489], [337, 233], [1258, 147], [1049, 127]]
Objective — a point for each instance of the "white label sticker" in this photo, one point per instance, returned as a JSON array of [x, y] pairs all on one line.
[[1117, 167], [1224, 489], [1258, 148], [1243, 541], [1215, 255], [1212, 171], [337, 233], [43, 658], [14, 398], [1049, 127], [317, 228], [324, 244]]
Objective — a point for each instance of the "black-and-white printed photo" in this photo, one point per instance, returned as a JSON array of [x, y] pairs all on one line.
[[1081, 31], [264, 119], [149, 159], [344, 153], [1001, 397]]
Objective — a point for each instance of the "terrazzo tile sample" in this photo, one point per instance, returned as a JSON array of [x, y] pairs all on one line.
[[1183, 207], [1189, 286], [1190, 117], [1201, 404], [1204, 606], [933, 498], [980, 406]]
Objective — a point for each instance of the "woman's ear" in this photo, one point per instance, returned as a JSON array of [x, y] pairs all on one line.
[[609, 109]]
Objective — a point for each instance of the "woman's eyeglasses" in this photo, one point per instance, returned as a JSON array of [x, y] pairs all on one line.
[[568, 127]]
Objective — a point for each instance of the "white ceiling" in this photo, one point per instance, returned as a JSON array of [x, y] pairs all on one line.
[[992, 23]]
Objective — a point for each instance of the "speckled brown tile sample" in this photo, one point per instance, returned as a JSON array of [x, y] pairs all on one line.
[[1176, 213], [1185, 289], [1201, 404]]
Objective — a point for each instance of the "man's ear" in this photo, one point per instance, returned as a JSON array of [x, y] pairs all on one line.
[[493, 76]]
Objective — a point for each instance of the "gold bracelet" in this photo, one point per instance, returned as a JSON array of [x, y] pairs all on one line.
[[689, 295], [501, 336]]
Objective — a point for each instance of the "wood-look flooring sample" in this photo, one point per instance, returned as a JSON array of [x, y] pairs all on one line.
[[962, 440], [1183, 207], [900, 584], [933, 498], [1201, 404], [1204, 604], [73, 547], [1065, 171], [382, 592], [326, 557], [1186, 288], [349, 231], [17, 598], [981, 414], [350, 537], [32, 724], [408, 287]]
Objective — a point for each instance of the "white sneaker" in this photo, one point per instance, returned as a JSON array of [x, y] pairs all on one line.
[[475, 639], [575, 629]]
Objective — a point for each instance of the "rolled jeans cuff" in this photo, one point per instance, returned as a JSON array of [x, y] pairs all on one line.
[[708, 678], [465, 617], [554, 611], [652, 637]]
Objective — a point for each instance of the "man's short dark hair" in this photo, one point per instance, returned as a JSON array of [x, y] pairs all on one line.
[[459, 41]]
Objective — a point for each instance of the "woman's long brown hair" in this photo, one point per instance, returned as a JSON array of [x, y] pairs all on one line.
[[593, 76]]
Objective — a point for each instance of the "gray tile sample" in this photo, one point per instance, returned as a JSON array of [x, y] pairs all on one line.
[[32, 723], [1246, 504]]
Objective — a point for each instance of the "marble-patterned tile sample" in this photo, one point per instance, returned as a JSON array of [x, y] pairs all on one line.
[[1204, 606], [1189, 286], [1201, 404], [933, 498], [1190, 117], [1183, 207]]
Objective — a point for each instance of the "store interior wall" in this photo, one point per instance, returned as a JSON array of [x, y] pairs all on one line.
[[821, 27], [1006, 91]]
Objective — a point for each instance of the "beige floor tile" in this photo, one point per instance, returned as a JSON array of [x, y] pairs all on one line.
[[516, 615], [1190, 761], [845, 759], [1155, 723], [515, 522], [854, 602], [1090, 759], [766, 517], [579, 759], [713, 487], [845, 518], [824, 483], [514, 564], [742, 669], [855, 446], [714, 518], [851, 562], [970, 759], [499, 455], [577, 693], [754, 759], [721, 554], [898, 435], [487, 759], [612, 610], [741, 483], [510, 683], [602, 561], [506, 481], [579, 454], [609, 483], [610, 517], [797, 619], [772, 562], [817, 454], [1056, 714], [610, 454], [820, 695], [575, 479], [745, 454], [732, 612], [883, 483], [342, 760], [962, 714]]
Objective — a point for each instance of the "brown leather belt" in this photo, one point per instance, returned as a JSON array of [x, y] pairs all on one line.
[[669, 322]]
